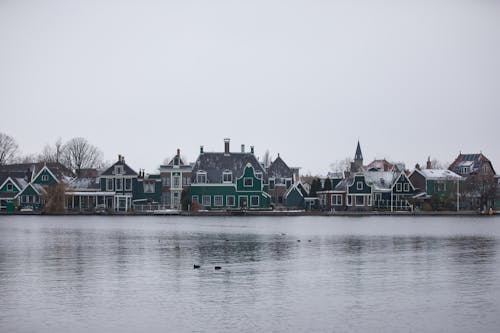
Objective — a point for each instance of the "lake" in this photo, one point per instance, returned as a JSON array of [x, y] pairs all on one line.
[[278, 274]]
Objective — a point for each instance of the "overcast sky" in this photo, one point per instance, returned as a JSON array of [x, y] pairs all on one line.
[[306, 79]]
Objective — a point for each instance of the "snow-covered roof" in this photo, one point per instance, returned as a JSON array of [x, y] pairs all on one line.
[[439, 174], [84, 184], [381, 180]]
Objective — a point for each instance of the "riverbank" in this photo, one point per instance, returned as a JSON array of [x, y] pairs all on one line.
[[263, 213]]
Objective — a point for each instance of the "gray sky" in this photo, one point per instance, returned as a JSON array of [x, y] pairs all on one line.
[[302, 78]]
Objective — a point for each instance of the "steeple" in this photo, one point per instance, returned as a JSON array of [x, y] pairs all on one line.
[[358, 156]]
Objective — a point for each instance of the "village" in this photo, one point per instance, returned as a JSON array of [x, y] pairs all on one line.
[[237, 182]]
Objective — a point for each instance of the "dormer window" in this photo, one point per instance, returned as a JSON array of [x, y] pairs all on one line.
[[464, 170], [45, 178], [118, 169], [258, 174], [359, 185], [10, 188], [201, 177], [227, 176]]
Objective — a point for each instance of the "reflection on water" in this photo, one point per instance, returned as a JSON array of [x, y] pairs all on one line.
[[280, 274]]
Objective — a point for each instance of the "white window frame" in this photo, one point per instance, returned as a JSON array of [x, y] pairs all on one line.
[[119, 181], [251, 201], [109, 181], [335, 201], [203, 202], [356, 199], [245, 182], [176, 181], [369, 200], [229, 175], [359, 185], [45, 178], [227, 200], [200, 174], [119, 169], [148, 187], [216, 198], [273, 182], [128, 188], [194, 198], [349, 200], [10, 187], [399, 187], [406, 187], [378, 196], [258, 174]]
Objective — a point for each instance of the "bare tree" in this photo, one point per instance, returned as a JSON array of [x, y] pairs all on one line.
[[52, 154], [79, 154], [28, 158], [342, 165], [8, 149]]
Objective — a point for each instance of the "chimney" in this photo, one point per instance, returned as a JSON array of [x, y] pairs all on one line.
[[428, 165], [201, 149], [242, 148], [119, 158], [251, 149], [123, 159], [178, 152], [226, 146], [417, 166]]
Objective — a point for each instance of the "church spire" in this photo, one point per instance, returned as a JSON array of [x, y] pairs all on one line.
[[358, 156]]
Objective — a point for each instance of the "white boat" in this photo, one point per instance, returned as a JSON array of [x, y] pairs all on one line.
[[166, 212]]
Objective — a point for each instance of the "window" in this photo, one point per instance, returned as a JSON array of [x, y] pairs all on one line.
[[176, 181], [128, 185], [337, 200], [288, 183], [258, 174], [109, 184], [398, 187], [349, 200], [119, 184], [227, 177], [201, 177], [23, 199], [254, 200], [230, 200], [406, 187], [248, 182], [206, 200], [218, 200], [439, 186], [464, 170], [194, 199], [360, 200], [36, 199], [149, 187], [186, 180], [45, 178], [10, 188], [359, 185], [378, 196], [271, 184], [118, 169]]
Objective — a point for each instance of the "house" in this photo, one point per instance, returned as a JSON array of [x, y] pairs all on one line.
[[121, 180], [30, 183], [148, 192], [392, 190], [480, 185], [440, 185], [280, 179], [176, 178], [84, 194], [228, 180]]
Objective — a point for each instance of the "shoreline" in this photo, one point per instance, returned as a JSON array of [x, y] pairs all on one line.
[[262, 213]]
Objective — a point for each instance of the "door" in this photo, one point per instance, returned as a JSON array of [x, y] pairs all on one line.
[[243, 202]]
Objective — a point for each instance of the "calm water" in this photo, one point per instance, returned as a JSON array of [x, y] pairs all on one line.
[[135, 274]]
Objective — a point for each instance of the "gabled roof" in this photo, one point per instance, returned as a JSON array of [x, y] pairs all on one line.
[[474, 161], [279, 169], [214, 164], [299, 188], [32, 169], [127, 171], [10, 180], [380, 165]]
